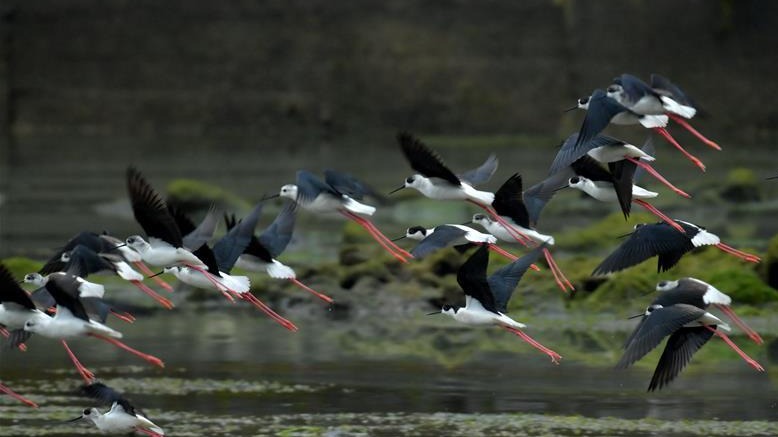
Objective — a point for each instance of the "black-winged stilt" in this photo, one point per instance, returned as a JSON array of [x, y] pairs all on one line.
[[121, 418], [459, 236]]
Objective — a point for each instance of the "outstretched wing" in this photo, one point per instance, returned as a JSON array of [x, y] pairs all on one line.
[[678, 352], [237, 239], [472, 278], [107, 395], [64, 289], [571, 151], [309, 186], [504, 281], [278, 235], [442, 236], [11, 292], [508, 201], [482, 174], [150, 210], [424, 160], [658, 239], [537, 196], [599, 114], [349, 185]]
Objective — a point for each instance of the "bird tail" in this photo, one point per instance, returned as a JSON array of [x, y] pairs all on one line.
[[652, 121], [90, 289], [676, 108], [356, 207], [280, 271]]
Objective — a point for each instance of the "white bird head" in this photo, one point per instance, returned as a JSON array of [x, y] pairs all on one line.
[[416, 233], [579, 182], [666, 285], [173, 270], [88, 414], [37, 323], [448, 310], [614, 91], [65, 257], [289, 191], [35, 279], [482, 219], [137, 242]]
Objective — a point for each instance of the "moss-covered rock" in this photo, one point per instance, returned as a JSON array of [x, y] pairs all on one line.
[[191, 194], [741, 186]]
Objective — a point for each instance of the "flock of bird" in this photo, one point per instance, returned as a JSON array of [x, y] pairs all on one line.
[[65, 305]]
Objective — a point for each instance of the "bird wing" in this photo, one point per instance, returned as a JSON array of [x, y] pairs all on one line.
[[472, 279], [309, 186], [43, 298], [646, 241], [237, 239], [655, 327], [599, 114], [349, 185], [623, 172], [203, 233], [11, 292], [442, 236], [591, 169], [482, 174], [662, 85], [96, 308], [649, 149], [278, 235], [64, 289], [504, 280], [571, 151], [84, 261], [108, 396], [509, 202], [634, 88], [537, 196], [86, 238], [150, 210], [679, 349], [424, 160]]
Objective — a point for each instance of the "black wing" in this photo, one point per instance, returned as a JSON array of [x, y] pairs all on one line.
[[309, 186], [203, 233], [349, 185], [84, 261], [424, 160], [537, 196], [599, 114], [64, 289], [482, 174], [42, 298], [635, 88], [504, 281], [86, 238], [508, 201], [237, 240], [107, 395], [658, 239], [623, 172], [570, 151], [278, 235], [442, 236], [151, 211], [663, 85], [655, 327], [11, 292], [205, 254], [678, 352], [472, 278], [591, 169]]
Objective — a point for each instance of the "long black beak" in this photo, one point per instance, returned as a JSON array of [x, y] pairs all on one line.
[[436, 312], [157, 274], [398, 238], [270, 197], [561, 188], [570, 109], [625, 235], [120, 245], [74, 420], [396, 190], [467, 222], [771, 178], [635, 316]]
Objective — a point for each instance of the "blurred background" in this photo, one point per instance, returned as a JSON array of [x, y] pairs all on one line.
[[223, 101]]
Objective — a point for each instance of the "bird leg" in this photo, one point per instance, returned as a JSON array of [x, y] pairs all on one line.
[[17, 396], [85, 373], [247, 296], [555, 357], [387, 240], [652, 171], [126, 317], [685, 124], [497, 249], [753, 335], [652, 209], [147, 271], [149, 358], [518, 236], [662, 131], [377, 235], [321, 296], [559, 277], [144, 288], [4, 332], [751, 362], [738, 253]]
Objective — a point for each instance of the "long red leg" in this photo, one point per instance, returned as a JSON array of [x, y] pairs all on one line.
[[149, 358], [17, 396], [753, 335], [555, 357], [652, 209], [162, 301], [685, 124], [497, 249], [85, 373], [321, 296], [146, 271], [267, 310], [358, 220], [557, 272], [738, 253], [652, 171], [379, 234], [126, 317], [662, 131], [751, 362], [4, 332], [518, 236]]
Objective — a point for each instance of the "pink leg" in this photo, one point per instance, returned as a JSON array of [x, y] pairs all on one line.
[[126, 317], [22, 347], [142, 287], [18, 397], [518, 236], [149, 358], [751, 362], [378, 233], [497, 249], [740, 254], [267, 310], [378, 238], [555, 357], [557, 272], [648, 168], [321, 296], [685, 124], [85, 373], [659, 214], [146, 271], [4, 332], [662, 131], [753, 335]]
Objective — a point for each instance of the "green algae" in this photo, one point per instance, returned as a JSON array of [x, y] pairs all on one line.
[[197, 194]]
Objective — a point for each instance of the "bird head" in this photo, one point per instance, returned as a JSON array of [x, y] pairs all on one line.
[[578, 182], [666, 285], [481, 219], [416, 233], [88, 413], [65, 257], [35, 279], [137, 242], [289, 191], [614, 90], [582, 103]]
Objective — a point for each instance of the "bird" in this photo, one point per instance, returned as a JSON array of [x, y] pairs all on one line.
[[614, 185], [602, 110], [666, 243], [5, 389], [661, 97], [72, 321], [459, 236], [121, 418], [519, 212], [605, 149], [313, 195], [260, 253], [689, 328], [701, 294], [486, 299]]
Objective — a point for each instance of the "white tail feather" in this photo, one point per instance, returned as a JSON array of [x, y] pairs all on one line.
[[126, 272], [356, 207], [676, 108], [90, 289], [280, 271], [652, 121]]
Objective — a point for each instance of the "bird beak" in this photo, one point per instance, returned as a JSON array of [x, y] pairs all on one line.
[[270, 197], [771, 177], [467, 222], [398, 238], [396, 190], [436, 312], [625, 235], [561, 188], [570, 109], [120, 245], [635, 316], [157, 274], [74, 420]]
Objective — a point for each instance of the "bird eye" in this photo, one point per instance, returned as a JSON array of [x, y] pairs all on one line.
[[613, 88], [583, 100], [410, 180], [446, 307], [87, 412], [575, 180], [663, 283]]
